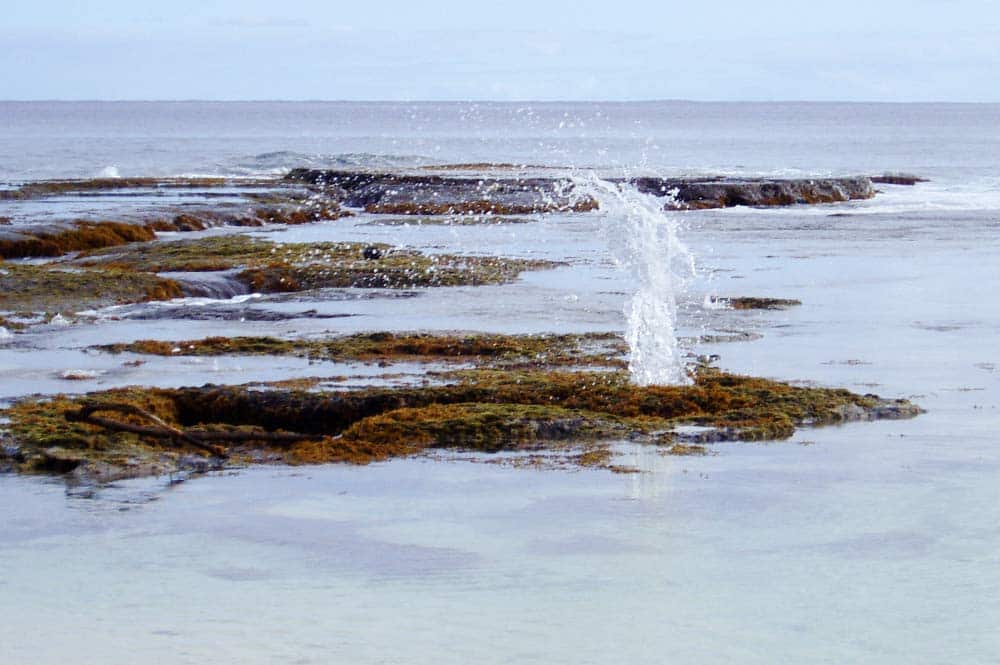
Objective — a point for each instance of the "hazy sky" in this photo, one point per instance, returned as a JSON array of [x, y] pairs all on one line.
[[883, 50]]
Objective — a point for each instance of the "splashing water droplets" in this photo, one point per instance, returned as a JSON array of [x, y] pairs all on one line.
[[644, 239]]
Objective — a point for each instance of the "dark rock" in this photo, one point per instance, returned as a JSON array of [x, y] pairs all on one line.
[[11, 452], [435, 194], [897, 179], [219, 285], [372, 253], [724, 193], [755, 302], [199, 464], [224, 313]]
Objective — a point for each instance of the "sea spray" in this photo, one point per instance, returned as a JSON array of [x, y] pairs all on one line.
[[643, 238]]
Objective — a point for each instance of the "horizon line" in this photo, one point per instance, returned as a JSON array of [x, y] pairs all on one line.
[[194, 100]]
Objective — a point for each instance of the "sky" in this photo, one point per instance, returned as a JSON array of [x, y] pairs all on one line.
[[728, 50]]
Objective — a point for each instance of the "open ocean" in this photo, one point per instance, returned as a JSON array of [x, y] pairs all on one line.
[[871, 542], [953, 143]]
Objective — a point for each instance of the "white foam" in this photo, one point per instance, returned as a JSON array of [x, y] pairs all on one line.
[[714, 303], [79, 374], [643, 239]]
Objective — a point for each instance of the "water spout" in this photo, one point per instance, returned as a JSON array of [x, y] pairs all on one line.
[[643, 238]]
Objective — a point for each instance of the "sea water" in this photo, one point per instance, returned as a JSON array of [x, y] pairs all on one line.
[[643, 239], [867, 543]]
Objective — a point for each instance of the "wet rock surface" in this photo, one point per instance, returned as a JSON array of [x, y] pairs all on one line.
[[220, 312], [231, 265], [400, 193], [262, 266], [477, 392], [138, 431], [906, 179], [725, 193], [486, 350], [750, 302], [43, 288]]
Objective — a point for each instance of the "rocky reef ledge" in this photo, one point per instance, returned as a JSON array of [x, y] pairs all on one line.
[[427, 194], [547, 400]]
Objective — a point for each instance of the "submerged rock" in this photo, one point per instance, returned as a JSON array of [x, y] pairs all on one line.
[[751, 302], [220, 312]]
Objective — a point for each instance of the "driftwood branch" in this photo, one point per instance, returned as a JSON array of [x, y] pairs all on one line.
[[160, 429]]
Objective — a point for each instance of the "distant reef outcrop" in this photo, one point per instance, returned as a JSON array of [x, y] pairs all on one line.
[[428, 194]]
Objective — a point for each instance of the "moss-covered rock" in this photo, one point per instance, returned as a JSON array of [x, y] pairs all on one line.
[[269, 267], [604, 349], [749, 302], [43, 288], [46, 242], [480, 410]]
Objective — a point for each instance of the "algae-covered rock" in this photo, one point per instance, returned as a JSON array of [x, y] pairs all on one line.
[[479, 410], [128, 273], [46, 188], [748, 302], [44, 288], [604, 349], [51, 241], [268, 267]]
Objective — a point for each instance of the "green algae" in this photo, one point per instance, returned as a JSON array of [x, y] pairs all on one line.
[[213, 253], [750, 302], [273, 207], [270, 267], [602, 349], [686, 450], [479, 410], [78, 236], [287, 213], [126, 274], [44, 288]]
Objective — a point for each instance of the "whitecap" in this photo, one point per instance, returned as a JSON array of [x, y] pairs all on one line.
[[79, 374]]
